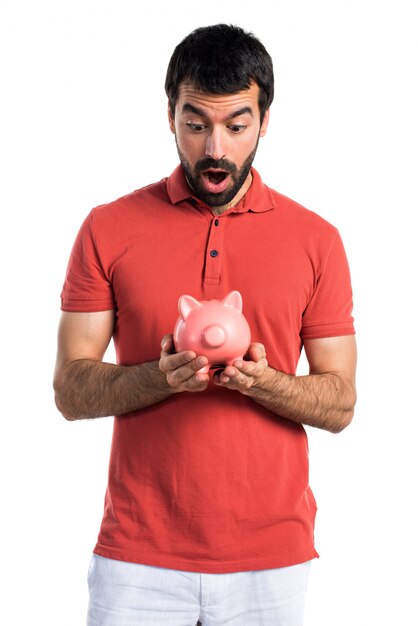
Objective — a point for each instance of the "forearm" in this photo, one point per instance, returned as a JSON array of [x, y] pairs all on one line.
[[87, 388], [321, 400]]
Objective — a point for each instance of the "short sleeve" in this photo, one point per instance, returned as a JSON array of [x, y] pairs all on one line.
[[329, 312], [86, 287]]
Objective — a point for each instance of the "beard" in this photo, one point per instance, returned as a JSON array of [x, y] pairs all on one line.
[[237, 177]]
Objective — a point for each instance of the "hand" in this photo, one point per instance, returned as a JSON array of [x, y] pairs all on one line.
[[242, 375], [181, 369]]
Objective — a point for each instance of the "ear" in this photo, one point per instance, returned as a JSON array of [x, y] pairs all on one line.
[[186, 305], [263, 128], [234, 299], [171, 119]]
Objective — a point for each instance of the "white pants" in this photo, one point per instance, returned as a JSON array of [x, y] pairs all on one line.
[[128, 594]]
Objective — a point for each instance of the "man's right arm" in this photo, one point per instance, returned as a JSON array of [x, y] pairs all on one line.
[[85, 387]]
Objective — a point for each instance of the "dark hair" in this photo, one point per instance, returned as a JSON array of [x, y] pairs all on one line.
[[221, 59]]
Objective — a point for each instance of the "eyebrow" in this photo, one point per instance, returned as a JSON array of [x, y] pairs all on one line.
[[190, 108]]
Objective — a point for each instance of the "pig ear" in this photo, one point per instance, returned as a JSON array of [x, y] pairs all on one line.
[[234, 299], [187, 304]]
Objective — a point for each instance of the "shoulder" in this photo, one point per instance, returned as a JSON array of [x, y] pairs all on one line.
[[294, 212], [301, 225], [132, 202]]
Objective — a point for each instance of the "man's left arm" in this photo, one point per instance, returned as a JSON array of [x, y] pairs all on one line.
[[324, 399]]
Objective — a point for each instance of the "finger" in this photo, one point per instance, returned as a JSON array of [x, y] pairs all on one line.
[[231, 371], [257, 368], [257, 351], [198, 382], [220, 378], [170, 362], [234, 380], [167, 343], [246, 367], [180, 375], [230, 375]]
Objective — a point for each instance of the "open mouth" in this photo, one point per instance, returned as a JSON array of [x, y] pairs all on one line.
[[215, 176], [215, 181]]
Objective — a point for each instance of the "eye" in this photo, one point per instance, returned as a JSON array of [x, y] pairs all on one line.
[[237, 128], [196, 128]]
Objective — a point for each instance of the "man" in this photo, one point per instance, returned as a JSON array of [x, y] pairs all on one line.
[[208, 511]]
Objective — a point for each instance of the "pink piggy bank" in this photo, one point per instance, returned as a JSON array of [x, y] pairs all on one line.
[[216, 329]]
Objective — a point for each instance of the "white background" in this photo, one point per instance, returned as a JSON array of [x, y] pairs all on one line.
[[83, 121]]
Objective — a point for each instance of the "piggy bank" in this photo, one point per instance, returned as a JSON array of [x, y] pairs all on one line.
[[216, 329]]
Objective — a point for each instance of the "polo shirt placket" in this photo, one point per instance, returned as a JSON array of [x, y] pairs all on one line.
[[214, 254]]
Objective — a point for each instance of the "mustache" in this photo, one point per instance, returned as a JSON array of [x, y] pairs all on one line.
[[221, 164]]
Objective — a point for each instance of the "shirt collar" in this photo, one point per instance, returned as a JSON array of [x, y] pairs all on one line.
[[257, 199]]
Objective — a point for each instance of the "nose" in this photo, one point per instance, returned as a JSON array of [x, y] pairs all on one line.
[[215, 145]]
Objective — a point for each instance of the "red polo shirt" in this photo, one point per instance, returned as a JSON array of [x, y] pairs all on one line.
[[211, 481]]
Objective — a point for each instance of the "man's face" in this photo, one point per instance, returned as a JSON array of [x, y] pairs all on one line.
[[217, 138]]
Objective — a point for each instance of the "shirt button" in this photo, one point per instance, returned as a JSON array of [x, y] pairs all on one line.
[[216, 222], [214, 253]]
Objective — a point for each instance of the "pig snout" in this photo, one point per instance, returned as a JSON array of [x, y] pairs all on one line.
[[214, 336]]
